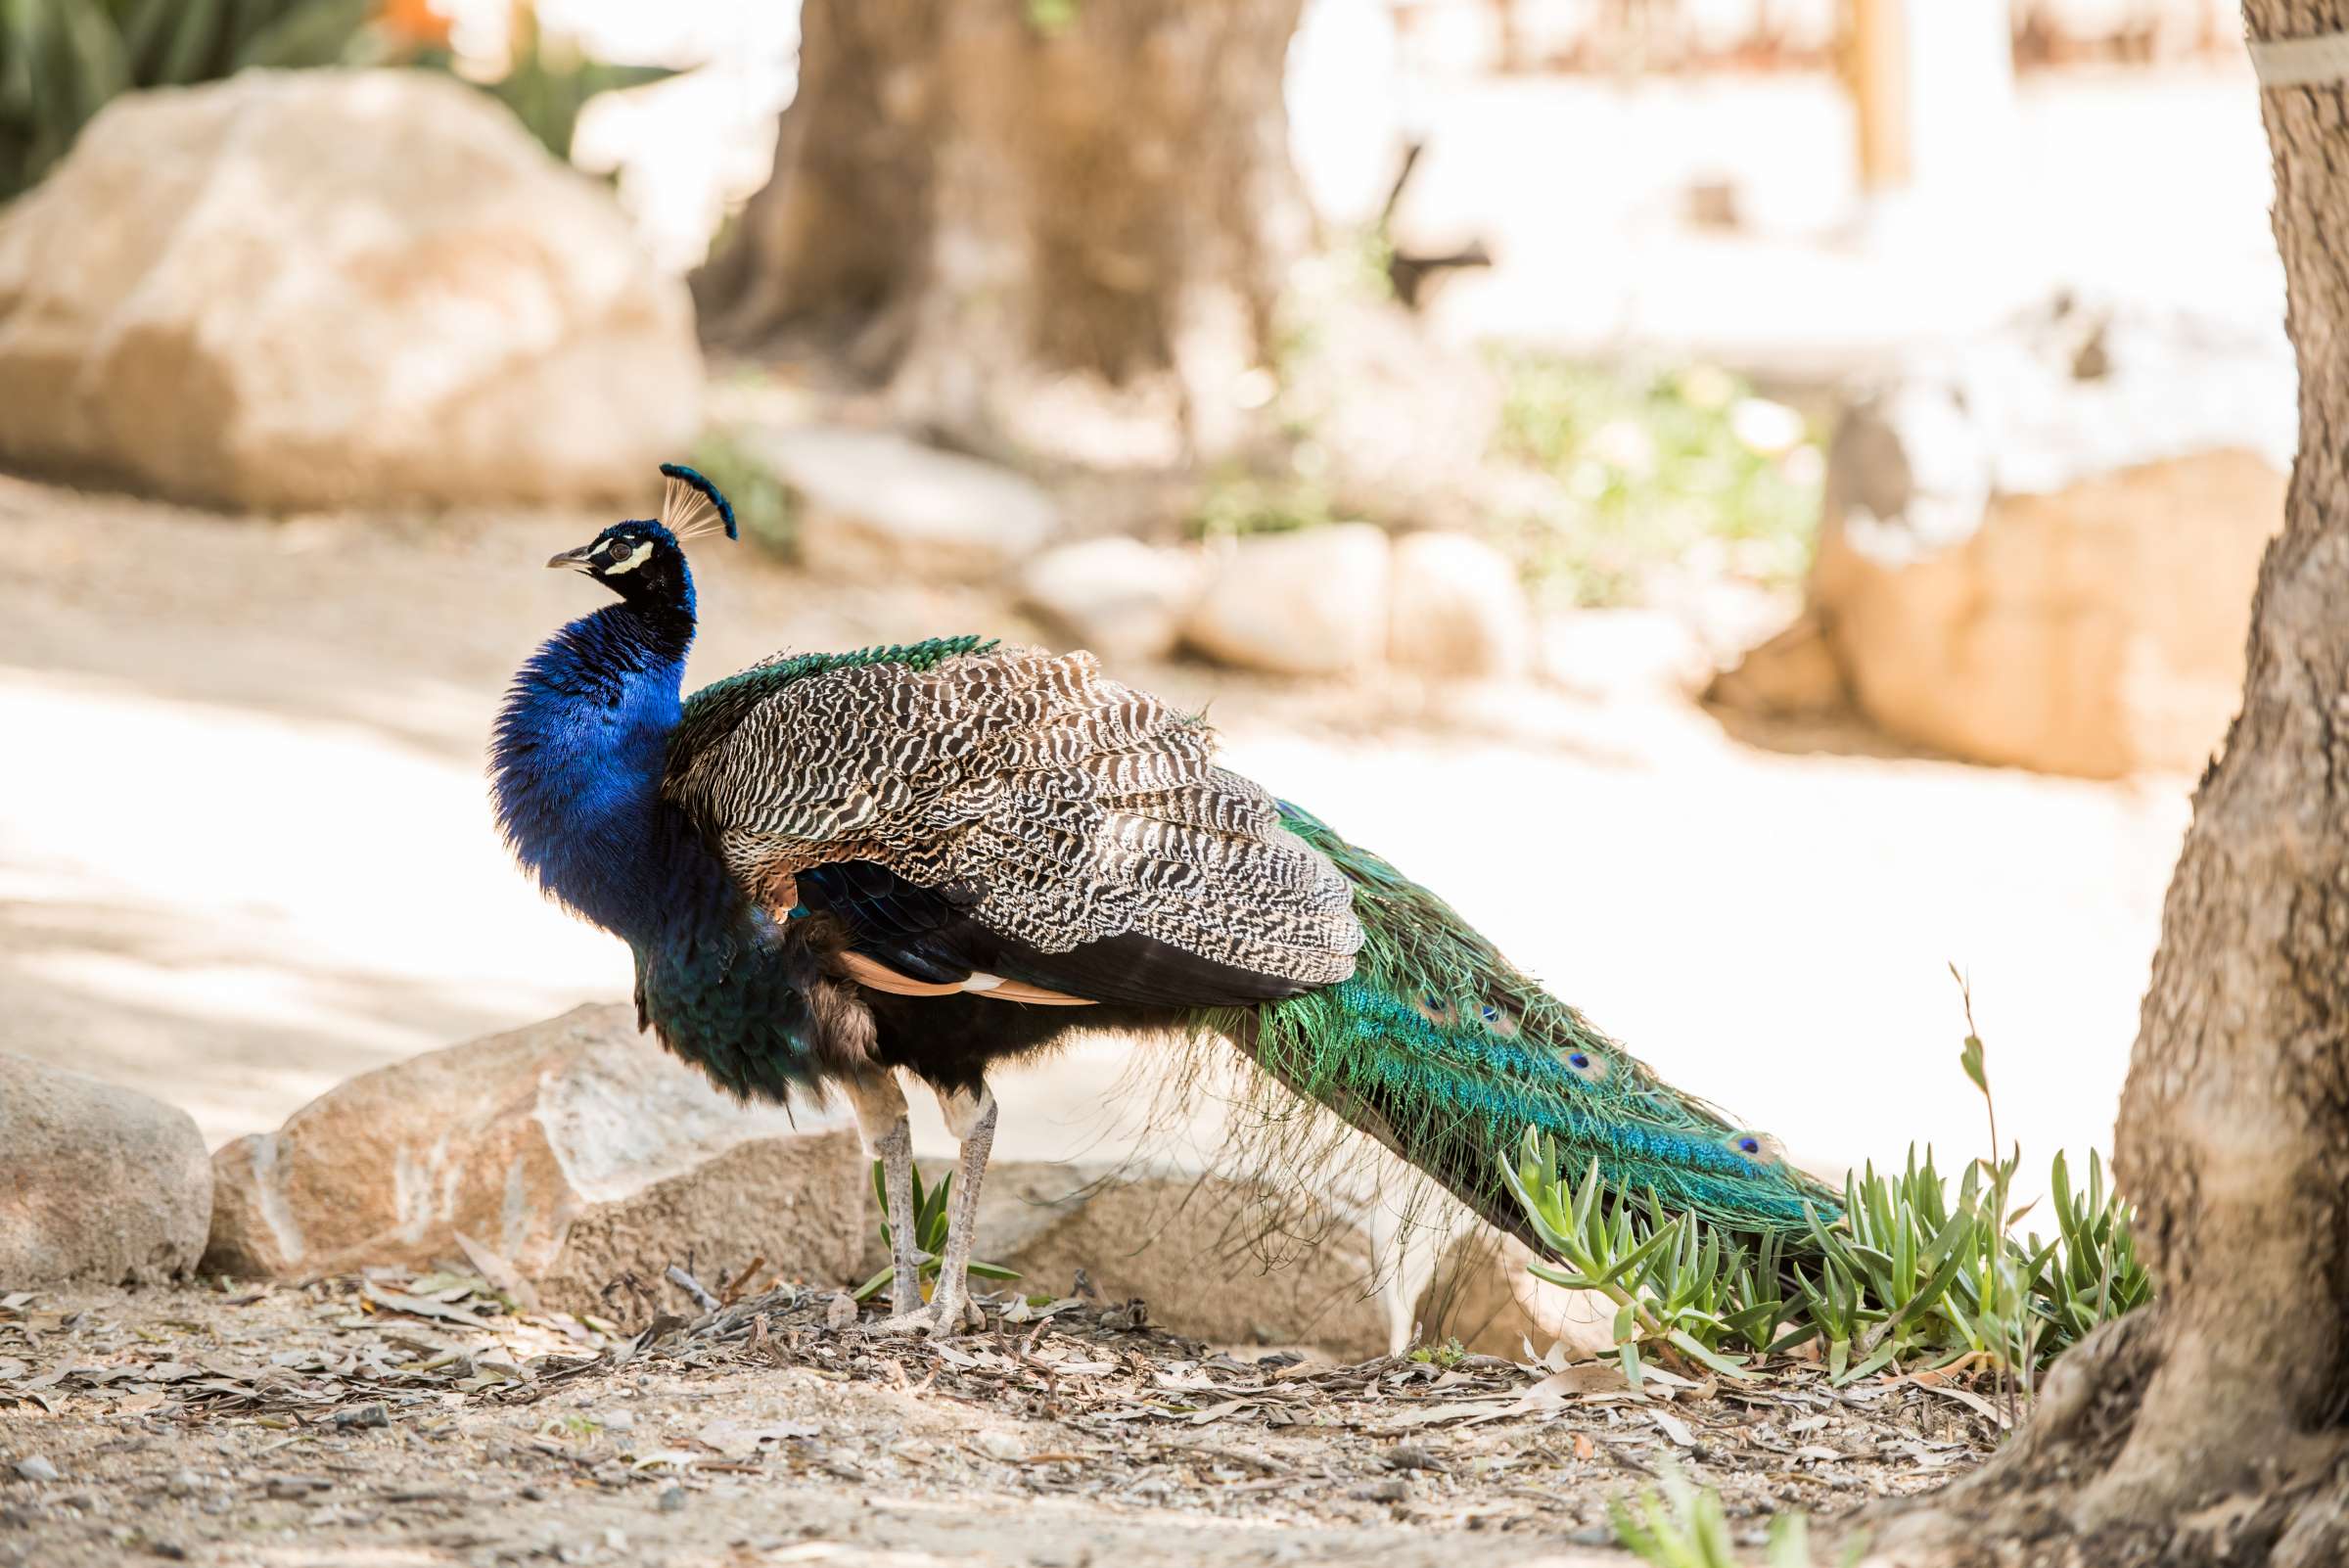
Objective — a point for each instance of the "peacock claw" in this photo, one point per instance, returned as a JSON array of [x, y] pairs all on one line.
[[926, 1319]]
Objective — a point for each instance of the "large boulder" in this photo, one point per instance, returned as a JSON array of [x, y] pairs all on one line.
[[317, 288], [1457, 609], [1191, 1247], [2042, 552], [1121, 598], [1309, 603], [98, 1184], [1219, 1259], [577, 1149], [878, 507]]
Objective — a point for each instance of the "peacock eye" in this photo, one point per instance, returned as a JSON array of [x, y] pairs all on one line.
[[1750, 1145], [1580, 1059]]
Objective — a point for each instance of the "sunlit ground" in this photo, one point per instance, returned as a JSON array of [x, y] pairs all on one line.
[[233, 893]]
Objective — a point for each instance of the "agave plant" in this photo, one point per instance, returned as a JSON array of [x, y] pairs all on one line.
[[60, 61]]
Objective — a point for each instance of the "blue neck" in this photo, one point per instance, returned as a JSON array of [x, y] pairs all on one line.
[[576, 766]]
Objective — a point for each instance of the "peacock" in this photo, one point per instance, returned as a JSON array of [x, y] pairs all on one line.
[[834, 869]]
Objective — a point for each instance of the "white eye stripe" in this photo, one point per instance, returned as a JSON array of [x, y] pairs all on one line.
[[636, 557]]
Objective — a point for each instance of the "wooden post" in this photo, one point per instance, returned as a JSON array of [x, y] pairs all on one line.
[[1876, 67]]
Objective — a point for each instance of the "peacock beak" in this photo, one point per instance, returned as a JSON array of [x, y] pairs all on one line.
[[575, 559]]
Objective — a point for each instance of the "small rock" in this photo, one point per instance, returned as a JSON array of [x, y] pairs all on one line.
[[673, 1500], [37, 1468], [187, 1483], [1118, 597], [1409, 1456], [1392, 1490], [362, 1415], [1001, 1445], [449, 315], [1309, 603], [876, 506], [298, 1486], [1457, 609], [577, 1147], [1615, 654], [840, 1312], [105, 1184]]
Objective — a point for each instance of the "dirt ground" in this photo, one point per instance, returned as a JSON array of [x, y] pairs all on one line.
[[398, 1422]]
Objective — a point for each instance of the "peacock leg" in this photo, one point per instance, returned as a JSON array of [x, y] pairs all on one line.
[[971, 1118], [888, 1136]]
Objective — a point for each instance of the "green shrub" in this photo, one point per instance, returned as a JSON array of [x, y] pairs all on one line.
[[1912, 1271], [62, 61], [1653, 470], [761, 504]]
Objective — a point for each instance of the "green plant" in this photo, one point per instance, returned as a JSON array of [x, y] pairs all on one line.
[[549, 80], [62, 61], [929, 1233], [1236, 503], [1678, 1525], [1652, 470], [762, 505], [1051, 17], [1912, 1271], [1444, 1357]]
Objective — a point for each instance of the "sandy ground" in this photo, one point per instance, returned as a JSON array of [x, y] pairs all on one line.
[[395, 1423], [245, 853]]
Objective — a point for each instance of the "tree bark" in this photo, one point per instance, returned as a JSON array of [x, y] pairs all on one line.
[[2208, 1429], [991, 204]]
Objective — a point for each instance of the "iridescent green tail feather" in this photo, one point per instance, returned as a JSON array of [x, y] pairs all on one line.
[[1445, 1052]]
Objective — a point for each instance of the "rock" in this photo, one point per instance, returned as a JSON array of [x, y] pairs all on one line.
[[295, 289], [2042, 554], [1792, 676], [1609, 654], [1457, 609], [37, 1468], [577, 1149], [1117, 596], [1186, 1245], [104, 1185], [1403, 423], [1309, 603], [1482, 1295], [878, 506]]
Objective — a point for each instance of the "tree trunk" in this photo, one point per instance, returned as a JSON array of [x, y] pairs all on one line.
[[994, 203], [2208, 1428]]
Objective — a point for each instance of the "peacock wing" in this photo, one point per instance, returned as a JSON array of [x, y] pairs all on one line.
[[972, 810]]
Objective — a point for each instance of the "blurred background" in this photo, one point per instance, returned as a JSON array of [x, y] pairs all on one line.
[[1753, 501]]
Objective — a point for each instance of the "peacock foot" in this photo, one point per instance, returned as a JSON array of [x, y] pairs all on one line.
[[933, 1320]]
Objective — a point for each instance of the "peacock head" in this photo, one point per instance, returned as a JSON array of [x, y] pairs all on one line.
[[643, 561]]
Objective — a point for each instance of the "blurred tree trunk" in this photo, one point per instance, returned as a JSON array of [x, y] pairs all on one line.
[[989, 203], [2209, 1427]]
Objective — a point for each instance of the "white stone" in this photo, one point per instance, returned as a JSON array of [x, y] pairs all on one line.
[[878, 506], [1119, 597], [318, 288], [103, 1185], [576, 1149], [1309, 603], [1457, 609], [1606, 654]]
